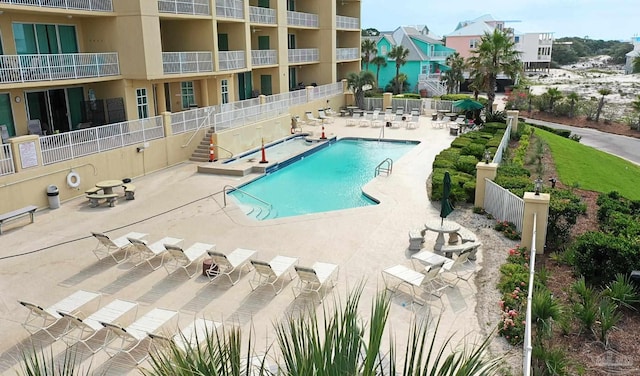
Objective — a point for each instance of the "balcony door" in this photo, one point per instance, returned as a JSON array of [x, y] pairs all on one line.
[[6, 115], [44, 39], [59, 110]]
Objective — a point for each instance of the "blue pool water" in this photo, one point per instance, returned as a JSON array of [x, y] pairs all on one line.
[[329, 179]]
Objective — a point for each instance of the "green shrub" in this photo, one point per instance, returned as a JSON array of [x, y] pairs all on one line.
[[460, 142], [450, 154], [513, 182], [622, 291], [493, 127], [564, 209], [455, 97], [467, 164], [470, 190], [509, 169], [495, 117], [474, 149], [443, 163]]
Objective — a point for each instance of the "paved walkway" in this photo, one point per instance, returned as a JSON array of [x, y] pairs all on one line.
[[50, 259]]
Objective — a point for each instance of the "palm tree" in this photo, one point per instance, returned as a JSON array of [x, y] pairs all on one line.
[[399, 54], [454, 76], [604, 93], [554, 95], [368, 48], [573, 98], [356, 82], [635, 105], [379, 61], [496, 54]]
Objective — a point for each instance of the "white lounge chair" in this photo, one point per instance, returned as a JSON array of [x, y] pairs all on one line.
[[142, 252], [413, 123], [85, 331], [129, 340], [48, 319], [108, 247], [324, 117], [353, 120], [228, 264], [313, 279], [461, 267], [312, 119], [376, 122], [365, 120], [188, 338], [177, 258], [269, 273], [415, 280]]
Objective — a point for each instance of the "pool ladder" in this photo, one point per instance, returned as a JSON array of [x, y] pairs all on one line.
[[259, 215], [385, 166]]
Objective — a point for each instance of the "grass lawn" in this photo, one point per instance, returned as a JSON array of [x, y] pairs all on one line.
[[592, 169]]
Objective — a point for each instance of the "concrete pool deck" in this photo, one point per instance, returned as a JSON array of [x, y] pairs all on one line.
[[54, 255]]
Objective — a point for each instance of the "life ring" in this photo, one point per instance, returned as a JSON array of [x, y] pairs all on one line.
[[73, 180]]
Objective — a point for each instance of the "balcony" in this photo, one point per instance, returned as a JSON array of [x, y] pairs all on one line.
[[230, 9], [262, 15], [90, 5], [33, 68], [264, 57], [230, 60], [194, 7], [302, 19], [347, 54], [348, 23], [304, 55], [187, 62]]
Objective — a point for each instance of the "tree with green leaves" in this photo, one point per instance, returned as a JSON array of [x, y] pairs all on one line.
[[553, 95], [573, 98], [369, 49], [379, 62], [455, 75], [399, 54], [495, 54], [604, 93], [635, 64], [357, 82], [370, 32]]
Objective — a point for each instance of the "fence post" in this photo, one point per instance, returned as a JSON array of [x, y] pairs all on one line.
[[386, 100], [514, 124], [31, 154], [483, 171], [538, 204], [166, 123]]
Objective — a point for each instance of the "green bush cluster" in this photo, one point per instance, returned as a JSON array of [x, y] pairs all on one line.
[[560, 132], [508, 229], [514, 275], [521, 150]]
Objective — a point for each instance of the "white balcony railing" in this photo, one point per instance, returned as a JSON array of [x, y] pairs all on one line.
[[302, 19], [90, 5], [195, 7], [187, 62], [347, 54], [264, 57], [230, 60], [304, 55], [230, 8], [262, 15], [6, 160], [30, 68], [349, 23], [439, 55]]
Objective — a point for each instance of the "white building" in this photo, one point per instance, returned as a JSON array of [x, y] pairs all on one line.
[[628, 66]]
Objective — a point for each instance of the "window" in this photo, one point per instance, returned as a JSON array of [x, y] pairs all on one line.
[[224, 91], [188, 96], [424, 69], [44, 39], [142, 103], [516, 39], [383, 50], [473, 43]]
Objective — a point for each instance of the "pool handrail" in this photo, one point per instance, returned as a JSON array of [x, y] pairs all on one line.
[[388, 162], [229, 186], [227, 150]]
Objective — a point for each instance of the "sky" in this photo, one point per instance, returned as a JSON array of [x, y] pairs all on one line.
[[595, 19]]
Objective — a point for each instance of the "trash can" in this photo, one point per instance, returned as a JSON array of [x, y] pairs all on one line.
[[54, 196]]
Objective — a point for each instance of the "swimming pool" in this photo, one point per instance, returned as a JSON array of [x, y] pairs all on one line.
[[276, 151], [328, 179]]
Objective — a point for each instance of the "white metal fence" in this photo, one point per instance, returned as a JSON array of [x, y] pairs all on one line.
[[262, 15], [264, 57], [232, 60], [438, 105], [349, 23], [6, 160], [527, 346], [97, 5], [195, 7], [324, 91], [303, 55], [302, 19], [187, 62], [504, 143], [238, 118], [347, 54], [292, 98], [502, 204], [230, 8], [47, 67], [74, 144], [191, 120]]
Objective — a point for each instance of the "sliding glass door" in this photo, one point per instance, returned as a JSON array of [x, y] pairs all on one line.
[[44, 39], [59, 110]]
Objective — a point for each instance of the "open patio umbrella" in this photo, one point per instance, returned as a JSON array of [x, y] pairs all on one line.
[[445, 205], [468, 104]]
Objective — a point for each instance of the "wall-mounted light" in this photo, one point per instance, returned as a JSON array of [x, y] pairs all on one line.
[[18, 99]]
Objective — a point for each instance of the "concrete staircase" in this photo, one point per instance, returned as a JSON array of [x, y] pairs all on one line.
[[201, 153]]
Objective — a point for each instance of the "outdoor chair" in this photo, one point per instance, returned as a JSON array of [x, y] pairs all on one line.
[[85, 331], [365, 120], [416, 281], [183, 259], [130, 340], [312, 119], [142, 252], [270, 273], [353, 120], [48, 320], [226, 265], [375, 119], [189, 338], [315, 278], [108, 247], [324, 117]]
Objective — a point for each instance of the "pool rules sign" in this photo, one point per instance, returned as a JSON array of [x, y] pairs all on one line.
[[28, 154]]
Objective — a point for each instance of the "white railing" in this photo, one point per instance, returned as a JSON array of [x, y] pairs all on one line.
[[262, 15], [6, 160], [324, 91], [292, 98], [232, 106], [406, 104], [349, 23], [187, 62], [347, 54], [527, 346], [244, 116], [91, 5], [440, 55], [264, 57], [30, 68], [504, 143], [195, 7], [74, 144], [304, 55], [230, 60], [302, 19], [431, 104], [230, 9], [191, 120], [502, 204]]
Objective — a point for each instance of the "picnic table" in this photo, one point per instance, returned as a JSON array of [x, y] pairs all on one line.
[[443, 227], [108, 185]]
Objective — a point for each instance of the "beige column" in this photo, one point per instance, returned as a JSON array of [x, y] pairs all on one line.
[[538, 204], [161, 98], [514, 124], [166, 123], [262, 98], [204, 92], [386, 100], [483, 171], [26, 152], [345, 86]]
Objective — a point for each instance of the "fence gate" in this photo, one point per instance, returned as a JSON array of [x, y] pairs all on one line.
[[502, 204]]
